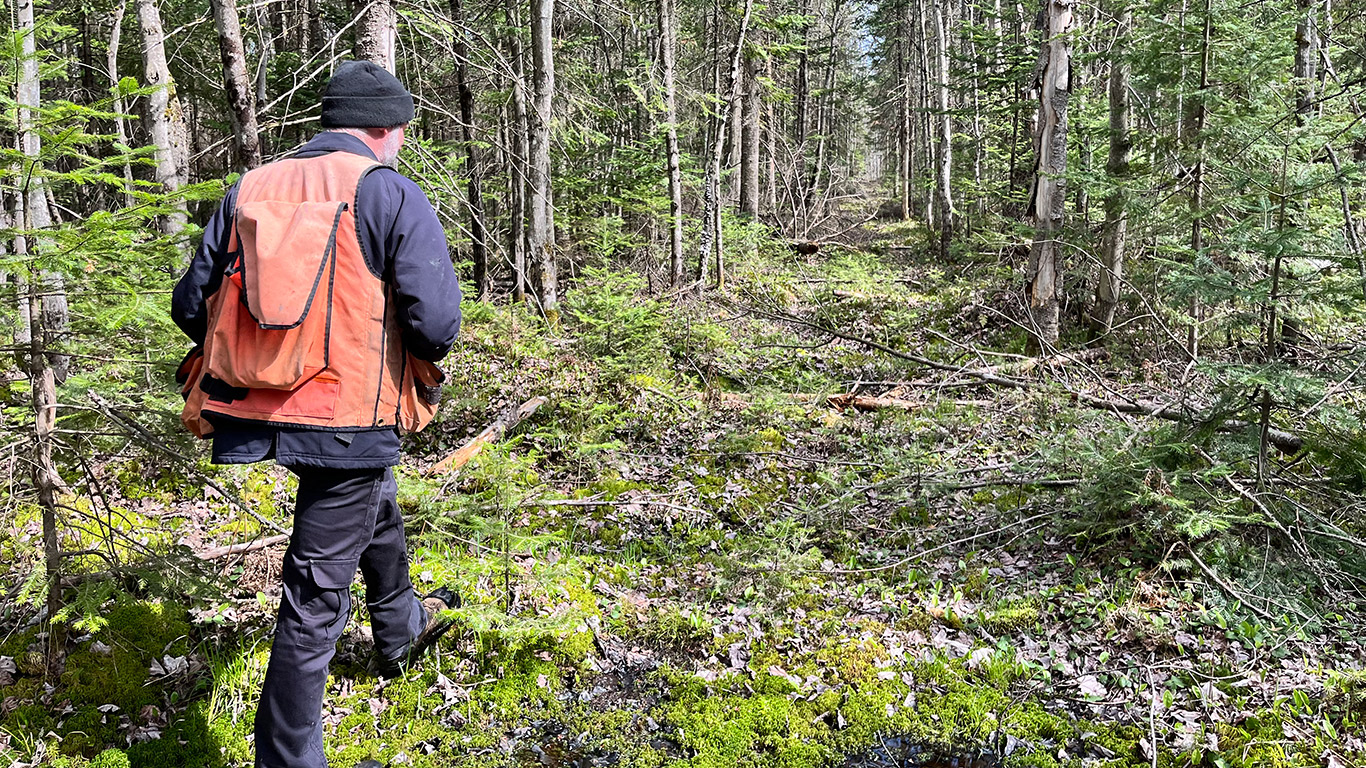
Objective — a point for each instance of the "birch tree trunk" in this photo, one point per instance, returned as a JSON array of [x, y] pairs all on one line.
[[46, 301], [241, 103], [541, 218], [377, 35], [33, 213], [1050, 193], [474, 190], [1117, 167], [166, 119], [668, 39]]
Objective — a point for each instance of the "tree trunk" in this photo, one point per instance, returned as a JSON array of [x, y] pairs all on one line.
[[944, 122], [541, 230], [478, 247], [120, 107], [711, 219], [377, 35], [246, 135], [1050, 194], [1306, 58], [1117, 167], [46, 304], [668, 39], [749, 143], [1197, 198], [519, 152], [165, 116]]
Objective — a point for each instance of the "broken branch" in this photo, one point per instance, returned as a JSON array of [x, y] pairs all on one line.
[[491, 434]]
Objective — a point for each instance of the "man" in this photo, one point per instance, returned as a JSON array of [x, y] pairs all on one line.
[[321, 295]]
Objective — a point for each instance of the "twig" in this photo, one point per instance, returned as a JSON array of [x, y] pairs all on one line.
[[1228, 588], [932, 550], [242, 547], [137, 430]]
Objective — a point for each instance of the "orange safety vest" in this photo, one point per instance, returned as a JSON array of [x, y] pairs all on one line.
[[301, 332]]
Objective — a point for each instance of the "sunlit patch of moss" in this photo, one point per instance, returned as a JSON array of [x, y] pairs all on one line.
[[1009, 618], [852, 658], [110, 758]]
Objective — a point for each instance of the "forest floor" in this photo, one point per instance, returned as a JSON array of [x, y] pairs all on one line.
[[694, 555]]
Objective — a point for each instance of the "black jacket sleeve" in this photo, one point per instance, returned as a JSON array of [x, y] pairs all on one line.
[[189, 300], [406, 246]]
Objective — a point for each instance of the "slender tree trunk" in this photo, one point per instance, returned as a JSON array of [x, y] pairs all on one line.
[[1197, 198], [749, 143], [944, 121], [820, 169], [1349, 224], [267, 52], [475, 195], [377, 35], [711, 224], [1306, 58], [520, 151], [1117, 168], [239, 87], [1050, 194], [925, 124], [542, 222], [165, 116], [120, 107], [46, 313], [772, 141], [668, 38]]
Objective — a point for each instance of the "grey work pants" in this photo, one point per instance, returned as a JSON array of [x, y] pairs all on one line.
[[344, 519]]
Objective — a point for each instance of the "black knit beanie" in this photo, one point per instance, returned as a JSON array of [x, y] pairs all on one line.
[[362, 94]]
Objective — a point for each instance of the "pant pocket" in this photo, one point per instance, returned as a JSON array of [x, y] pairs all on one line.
[[326, 606]]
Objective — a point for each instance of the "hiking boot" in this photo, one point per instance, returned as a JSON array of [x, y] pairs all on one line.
[[434, 604]]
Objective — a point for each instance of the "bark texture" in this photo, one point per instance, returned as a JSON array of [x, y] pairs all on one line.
[[377, 35], [1050, 151], [541, 222], [474, 188], [668, 39], [241, 99], [166, 118], [1117, 167]]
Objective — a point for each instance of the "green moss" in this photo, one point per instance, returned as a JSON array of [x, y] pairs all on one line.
[[110, 758], [187, 741], [1011, 618]]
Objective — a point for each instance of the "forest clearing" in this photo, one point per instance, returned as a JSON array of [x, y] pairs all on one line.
[[856, 384]]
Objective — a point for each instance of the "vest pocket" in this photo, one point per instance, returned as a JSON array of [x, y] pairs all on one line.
[[274, 320], [420, 395], [316, 400]]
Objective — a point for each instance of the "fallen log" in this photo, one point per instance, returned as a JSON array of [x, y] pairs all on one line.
[[491, 434], [1286, 442]]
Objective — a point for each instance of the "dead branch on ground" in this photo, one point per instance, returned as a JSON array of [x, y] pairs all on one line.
[[491, 434]]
